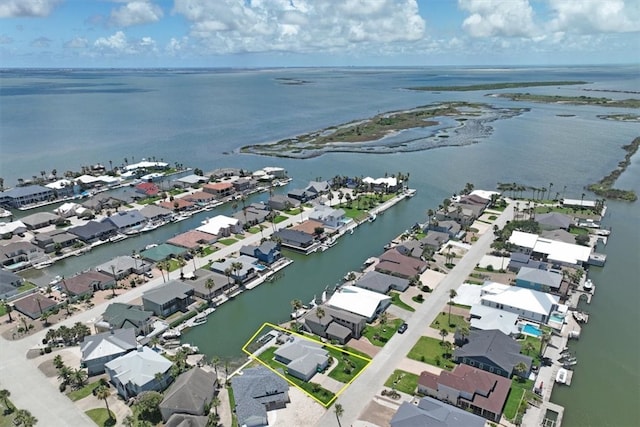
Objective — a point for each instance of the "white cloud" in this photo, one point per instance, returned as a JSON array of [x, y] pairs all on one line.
[[175, 46], [134, 13], [26, 8], [41, 42], [5, 39], [227, 26], [119, 44], [595, 16], [510, 18], [77, 43]]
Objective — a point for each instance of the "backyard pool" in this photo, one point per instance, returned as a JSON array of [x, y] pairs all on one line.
[[558, 318], [529, 329]]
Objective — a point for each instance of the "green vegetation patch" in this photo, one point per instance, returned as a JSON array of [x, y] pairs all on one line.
[[101, 417], [26, 286], [431, 351], [493, 86], [442, 322], [604, 187], [278, 219], [228, 242], [379, 335], [395, 300], [349, 366], [403, 381], [518, 388], [83, 392], [573, 100]]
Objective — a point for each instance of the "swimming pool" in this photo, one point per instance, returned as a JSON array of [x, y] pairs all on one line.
[[529, 329], [259, 267], [558, 318]]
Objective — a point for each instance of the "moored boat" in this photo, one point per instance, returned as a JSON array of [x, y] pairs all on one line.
[[561, 376]]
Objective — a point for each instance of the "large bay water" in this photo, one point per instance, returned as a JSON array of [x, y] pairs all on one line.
[[65, 119]]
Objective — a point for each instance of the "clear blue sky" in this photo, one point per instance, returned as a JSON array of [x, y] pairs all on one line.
[[262, 33]]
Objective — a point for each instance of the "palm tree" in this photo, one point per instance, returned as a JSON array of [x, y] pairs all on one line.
[[215, 360], [58, 362], [452, 295], [213, 420], [79, 378], [236, 267], [339, 411], [181, 263], [520, 369], [4, 395], [25, 419], [545, 339], [447, 348], [384, 318], [215, 402], [7, 307], [209, 284], [102, 392], [463, 331], [296, 304], [528, 347], [443, 334], [64, 373], [320, 313], [160, 266]]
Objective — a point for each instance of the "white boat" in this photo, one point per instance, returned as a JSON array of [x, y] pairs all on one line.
[[43, 264], [180, 218], [55, 280], [171, 334], [117, 238], [151, 246], [561, 376], [588, 285], [372, 217], [5, 213], [200, 319], [296, 314]]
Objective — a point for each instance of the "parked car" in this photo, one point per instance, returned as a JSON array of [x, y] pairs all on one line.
[[403, 328]]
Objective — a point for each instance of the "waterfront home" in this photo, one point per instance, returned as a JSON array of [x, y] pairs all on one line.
[[359, 301], [182, 420], [8, 229], [20, 255], [578, 203], [177, 205], [434, 239], [169, 298], [221, 226], [299, 194], [316, 188], [192, 239], [328, 216], [526, 303], [494, 352], [294, 239], [93, 231], [487, 318], [452, 228], [39, 220], [384, 185], [147, 189], [190, 393], [19, 197], [562, 253], [189, 181], [140, 370], [539, 280], [96, 350], [54, 240], [252, 215], [102, 202], [69, 209], [267, 252], [303, 357], [471, 389], [225, 173], [554, 221], [221, 284], [147, 165], [257, 391], [156, 213], [200, 197], [518, 260], [411, 248], [432, 412], [242, 268], [127, 220], [244, 184], [9, 284], [281, 202], [462, 214], [382, 283], [560, 235], [219, 189], [123, 265], [62, 188], [90, 181], [336, 324], [394, 263], [474, 199], [162, 252], [86, 283], [125, 316], [34, 305]]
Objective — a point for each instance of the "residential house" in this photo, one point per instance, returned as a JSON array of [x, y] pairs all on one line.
[[190, 180], [69, 209], [275, 172], [462, 214], [28, 195], [192, 239], [411, 248], [178, 205], [244, 184], [96, 350], [93, 231], [147, 189], [471, 389], [162, 252], [257, 391], [200, 197], [138, 371], [167, 299], [267, 252], [9, 284], [560, 235], [245, 271], [101, 202], [383, 185], [281, 202], [526, 303], [316, 188], [336, 324], [519, 260], [494, 352], [539, 280], [127, 220], [434, 240], [474, 199], [328, 216], [39, 220], [432, 412], [219, 189], [62, 188], [126, 316], [8, 229], [452, 228], [51, 241], [186, 420], [221, 226], [122, 266], [294, 239], [34, 305], [253, 214], [156, 213], [381, 283], [190, 393], [86, 283], [226, 173], [487, 318], [303, 357], [359, 301], [221, 284], [300, 195], [394, 263], [20, 255], [551, 250], [554, 221]]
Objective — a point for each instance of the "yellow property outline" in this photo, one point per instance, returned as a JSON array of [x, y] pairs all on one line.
[[280, 328]]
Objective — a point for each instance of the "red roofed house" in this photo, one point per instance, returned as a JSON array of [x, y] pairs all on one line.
[[394, 263], [478, 391], [220, 189], [148, 189], [177, 205], [34, 305], [193, 239], [200, 197], [87, 283]]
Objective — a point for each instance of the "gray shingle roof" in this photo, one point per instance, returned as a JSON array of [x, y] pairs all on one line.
[[380, 282], [118, 314], [190, 392], [109, 343], [494, 345], [165, 293], [126, 219], [433, 413], [255, 388], [92, 229], [541, 277]]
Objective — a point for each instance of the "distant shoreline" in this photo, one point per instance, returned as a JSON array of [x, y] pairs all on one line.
[[493, 86]]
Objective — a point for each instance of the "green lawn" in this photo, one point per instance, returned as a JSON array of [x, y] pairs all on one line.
[[26, 286], [3, 310], [7, 420], [403, 381], [294, 211], [83, 392], [228, 242], [515, 395], [348, 366], [384, 332], [278, 219], [101, 417], [578, 230], [442, 322], [254, 230], [395, 300], [431, 351], [232, 406], [208, 250]]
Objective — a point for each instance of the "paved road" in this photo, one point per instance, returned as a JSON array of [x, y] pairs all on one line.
[[28, 386], [371, 381]]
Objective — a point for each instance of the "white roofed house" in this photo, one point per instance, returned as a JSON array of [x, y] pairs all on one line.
[[102, 348], [137, 371], [551, 250], [62, 187], [526, 303], [328, 216], [221, 226], [386, 185], [359, 301]]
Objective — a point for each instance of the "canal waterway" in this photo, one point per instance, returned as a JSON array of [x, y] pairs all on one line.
[[201, 120]]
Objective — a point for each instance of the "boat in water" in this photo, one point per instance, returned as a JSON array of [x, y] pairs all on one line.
[[588, 285], [372, 217], [55, 280], [561, 376], [171, 334], [43, 264], [5, 213]]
